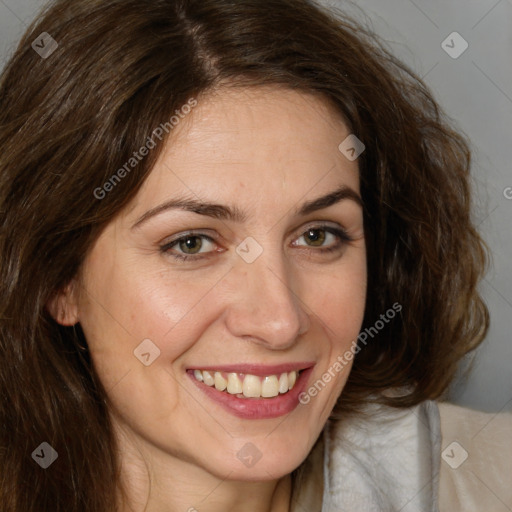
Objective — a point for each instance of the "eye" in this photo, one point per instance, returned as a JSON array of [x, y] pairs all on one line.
[[192, 244], [326, 237], [316, 237], [189, 245]]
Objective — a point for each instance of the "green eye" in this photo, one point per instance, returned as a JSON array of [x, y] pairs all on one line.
[[326, 238], [191, 244]]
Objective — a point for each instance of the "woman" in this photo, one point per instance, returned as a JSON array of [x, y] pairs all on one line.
[[237, 266]]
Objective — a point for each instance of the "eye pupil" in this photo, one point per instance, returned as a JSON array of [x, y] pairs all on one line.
[[191, 244], [316, 236]]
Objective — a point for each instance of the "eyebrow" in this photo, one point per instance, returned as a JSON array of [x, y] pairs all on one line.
[[222, 212], [343, 192]]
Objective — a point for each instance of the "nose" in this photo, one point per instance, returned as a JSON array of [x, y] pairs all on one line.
[[264, 307]]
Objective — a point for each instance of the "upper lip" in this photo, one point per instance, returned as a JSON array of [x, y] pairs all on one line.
[[256, 369]]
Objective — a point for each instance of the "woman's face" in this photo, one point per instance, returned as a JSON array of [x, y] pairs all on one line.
[[253, 269]]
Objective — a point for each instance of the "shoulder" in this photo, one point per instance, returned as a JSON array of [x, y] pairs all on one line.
[[476, 466], [434, 457]]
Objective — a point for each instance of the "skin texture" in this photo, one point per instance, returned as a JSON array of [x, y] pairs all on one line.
[[264, 151]]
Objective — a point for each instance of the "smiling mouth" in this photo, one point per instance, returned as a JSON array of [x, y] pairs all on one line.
[[245, 385]]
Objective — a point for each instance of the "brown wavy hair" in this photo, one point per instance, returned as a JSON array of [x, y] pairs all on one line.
[[122, 67]]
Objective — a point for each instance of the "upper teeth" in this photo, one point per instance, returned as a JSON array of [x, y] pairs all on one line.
[[246, 385]]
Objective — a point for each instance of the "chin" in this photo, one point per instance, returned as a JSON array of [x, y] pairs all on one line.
[[249, 463]]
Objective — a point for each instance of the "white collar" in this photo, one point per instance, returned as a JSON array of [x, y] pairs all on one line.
[[384, 460]]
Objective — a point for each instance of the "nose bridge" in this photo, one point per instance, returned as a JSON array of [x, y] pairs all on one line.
[[266, 308]]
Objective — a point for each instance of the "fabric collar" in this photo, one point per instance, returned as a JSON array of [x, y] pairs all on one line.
[[383, 460]]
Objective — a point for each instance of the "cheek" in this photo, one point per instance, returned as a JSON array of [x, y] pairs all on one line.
[[339, 307], [131, 313], [140, 303], [340, 301], [137, 327]]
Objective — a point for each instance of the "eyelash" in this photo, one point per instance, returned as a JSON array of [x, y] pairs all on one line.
[[340, 233]]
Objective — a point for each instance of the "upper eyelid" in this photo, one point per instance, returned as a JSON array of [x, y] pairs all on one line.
[[185, 234], [329, 226], [321, 224], [339, 232]]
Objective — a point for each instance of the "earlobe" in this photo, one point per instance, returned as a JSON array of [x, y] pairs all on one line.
[[63, 306]]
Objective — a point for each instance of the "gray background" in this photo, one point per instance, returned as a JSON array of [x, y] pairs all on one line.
[[475, 90]]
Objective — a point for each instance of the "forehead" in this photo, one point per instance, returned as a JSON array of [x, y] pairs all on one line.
[[276, 142]]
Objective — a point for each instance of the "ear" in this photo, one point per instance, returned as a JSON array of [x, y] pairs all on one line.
[[63, 306]]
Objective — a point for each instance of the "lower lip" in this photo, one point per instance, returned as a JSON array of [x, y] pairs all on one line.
[[257, 408]]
